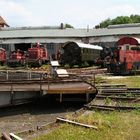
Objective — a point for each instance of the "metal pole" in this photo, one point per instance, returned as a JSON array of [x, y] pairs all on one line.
[[40, 83], [48, 81], [12, 92], [94, 79], [7, 76]]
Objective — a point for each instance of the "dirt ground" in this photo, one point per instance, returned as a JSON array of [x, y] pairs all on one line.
[[23, 117]]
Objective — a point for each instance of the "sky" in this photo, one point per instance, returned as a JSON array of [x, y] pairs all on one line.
[[78, 13]]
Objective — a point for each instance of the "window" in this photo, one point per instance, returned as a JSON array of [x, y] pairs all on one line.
[[127, 47]]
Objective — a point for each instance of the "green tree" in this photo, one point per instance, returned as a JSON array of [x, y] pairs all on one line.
[[119, 20], [68, 25], [135, 18]]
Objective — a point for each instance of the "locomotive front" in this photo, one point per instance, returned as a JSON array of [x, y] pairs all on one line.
[[125, 58]]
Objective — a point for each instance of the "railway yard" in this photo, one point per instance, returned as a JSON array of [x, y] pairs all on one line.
[[42, 116], [59, 82]]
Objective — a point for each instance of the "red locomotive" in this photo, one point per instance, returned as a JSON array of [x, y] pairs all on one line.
[[126, 56], [37, 55], [17, 58], [2, 56]]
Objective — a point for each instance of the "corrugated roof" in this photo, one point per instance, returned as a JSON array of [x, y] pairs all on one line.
[[25, 33], [116, 31], [52, 33]]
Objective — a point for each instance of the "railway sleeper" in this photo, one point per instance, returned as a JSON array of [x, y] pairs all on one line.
[[112, 107], [116, 97], [120, 94], [105, 91]]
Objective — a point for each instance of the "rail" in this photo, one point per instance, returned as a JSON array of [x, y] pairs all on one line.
[[116, 97]]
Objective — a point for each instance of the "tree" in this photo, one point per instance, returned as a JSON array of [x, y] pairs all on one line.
[[119, 20], [68, 25]]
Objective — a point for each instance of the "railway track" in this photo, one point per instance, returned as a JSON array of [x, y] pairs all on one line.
[[116, 97], [87, 71]]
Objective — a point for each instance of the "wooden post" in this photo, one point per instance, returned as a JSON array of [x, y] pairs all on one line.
[[48, 80], [87, 97], [40, 84], [5, 137], [76, 123], [7, 76], [12, 92], [94, 79], [61, 97]]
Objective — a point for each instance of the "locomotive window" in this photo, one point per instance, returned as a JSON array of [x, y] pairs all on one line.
[[127, 47], [83, 50], [135, 48], [89, 50]]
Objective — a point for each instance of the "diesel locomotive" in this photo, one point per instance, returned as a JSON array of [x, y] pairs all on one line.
[[125, 58]]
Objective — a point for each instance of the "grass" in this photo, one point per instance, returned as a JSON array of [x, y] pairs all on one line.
[[111, 126], [130, 81]]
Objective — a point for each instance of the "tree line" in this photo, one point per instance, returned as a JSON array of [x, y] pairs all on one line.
[[119, 20]]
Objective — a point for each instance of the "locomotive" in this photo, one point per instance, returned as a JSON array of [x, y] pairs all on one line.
[[37, 55], [126, 56], [34, 56], [2, 56], [17, 58], [75, 53]]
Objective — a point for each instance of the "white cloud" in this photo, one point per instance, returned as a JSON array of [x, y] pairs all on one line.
[[53, 12], [15, 13]]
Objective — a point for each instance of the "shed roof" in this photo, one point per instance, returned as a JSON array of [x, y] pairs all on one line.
[[37, 32]]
